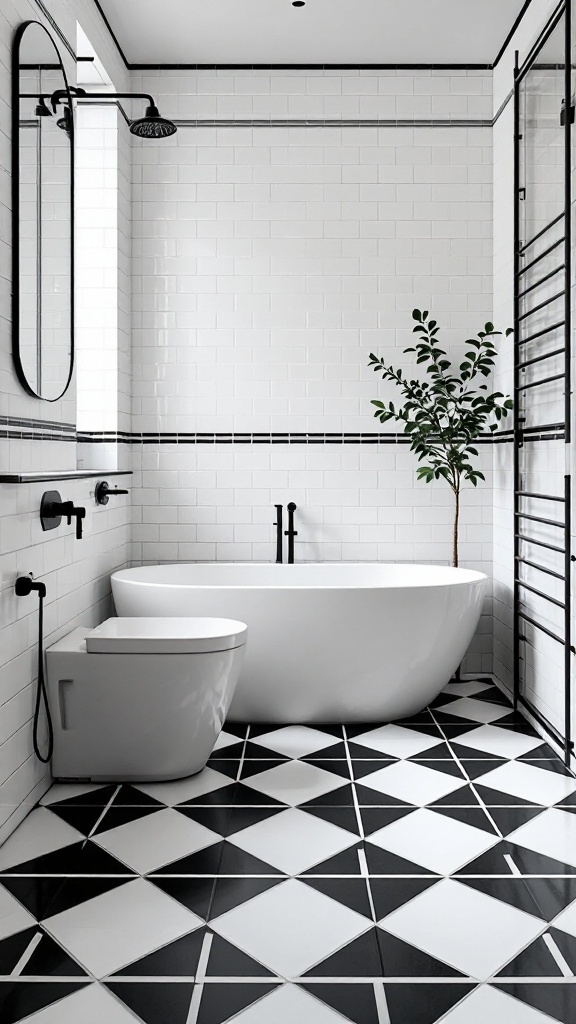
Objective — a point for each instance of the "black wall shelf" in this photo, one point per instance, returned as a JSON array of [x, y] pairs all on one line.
[[65, 474]]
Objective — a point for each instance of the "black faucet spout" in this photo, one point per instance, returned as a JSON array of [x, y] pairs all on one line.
[[291, 532]]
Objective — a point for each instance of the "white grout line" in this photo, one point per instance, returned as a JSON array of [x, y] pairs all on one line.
[[200, 978], [105, 809], [242, 756], [353, 786], [381, 1004], [513, 868], [34, 941], [562, 963]]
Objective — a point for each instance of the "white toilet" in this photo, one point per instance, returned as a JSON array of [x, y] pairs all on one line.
[[141, 699]]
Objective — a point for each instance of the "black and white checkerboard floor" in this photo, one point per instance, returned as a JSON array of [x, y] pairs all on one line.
[[404, 874]]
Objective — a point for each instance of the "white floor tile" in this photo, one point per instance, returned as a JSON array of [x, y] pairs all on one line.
[[296, 740], [295, 782], [90, 1005], [112, 930], [397, 741], [467, 689], [172, 793], [490, 739], [465, 928], [477, 710], [535, 785], [289, 1004], [156, 839], [68, 790], [290, 928], [566, 921], [435, 841], [413, 783], [552, 833], [225, 739], [487, 1004], [293, 841], [13, 917], [41, 832]]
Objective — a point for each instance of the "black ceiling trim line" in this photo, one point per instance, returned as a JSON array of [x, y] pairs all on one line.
[[113, 35], [53, 24], [308, 67]]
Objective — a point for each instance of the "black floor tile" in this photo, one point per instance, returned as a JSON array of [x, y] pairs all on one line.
[[78, 859], [232, 892], [536, 961], [96, 797], [49, 960], [474, 816], [74, 891], [34, 893], [401, 960], [227, 961], [221, 1002], [21, 999], [155, 1003], [342, 817], [358, 959], [351, 892], [12, 948], [558, 999], [375, 818], [422, 1003], [390, 893], [356, 1003], [176, 959], [193, 893]]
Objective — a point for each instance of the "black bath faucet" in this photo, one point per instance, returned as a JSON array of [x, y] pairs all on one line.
[[278, 525], [53, 508], [291, 532]]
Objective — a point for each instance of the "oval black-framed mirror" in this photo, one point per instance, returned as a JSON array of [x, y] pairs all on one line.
[[42, 215]]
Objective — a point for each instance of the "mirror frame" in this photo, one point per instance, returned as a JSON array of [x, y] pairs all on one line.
[[16, 355]]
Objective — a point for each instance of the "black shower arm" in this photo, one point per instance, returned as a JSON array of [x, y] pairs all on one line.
[[82, 95]]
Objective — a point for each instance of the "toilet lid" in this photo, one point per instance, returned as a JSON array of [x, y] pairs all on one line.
[[165, 636]]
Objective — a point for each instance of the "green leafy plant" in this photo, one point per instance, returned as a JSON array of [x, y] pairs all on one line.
[[445, 414]]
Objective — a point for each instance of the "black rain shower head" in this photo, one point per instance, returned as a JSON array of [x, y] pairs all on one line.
[[152, 125]]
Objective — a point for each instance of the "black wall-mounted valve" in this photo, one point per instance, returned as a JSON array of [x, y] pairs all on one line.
[[103, 492], [52, 508]]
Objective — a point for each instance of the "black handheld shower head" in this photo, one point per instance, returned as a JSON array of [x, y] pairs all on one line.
[[152, 125]]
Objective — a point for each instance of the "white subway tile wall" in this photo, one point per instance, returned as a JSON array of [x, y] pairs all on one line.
[[268, 263]]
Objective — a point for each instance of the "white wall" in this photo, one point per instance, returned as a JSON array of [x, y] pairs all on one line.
[[76, 573]]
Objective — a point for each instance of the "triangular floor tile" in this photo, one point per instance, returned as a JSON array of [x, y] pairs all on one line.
[[390, 893], [214, 818], [238, 729], [12, 948], [97, 797], [359, 753], [490, 863], [439, 752], [495, 797], [232, 892], [116, 816], [222, 797], [129, 796], [529, 863], [78, 890], [228, 766], [177, 959], [193, 893], [345, 863], [463, 797], [508, 819], [368, 797], [78, 859], [465, 753], [341, 797], [355, 1002], [557, 1000], [381, 862], [474, 816], [238, 862], [247, 796], [340, 768], [401, 960], [222, 1002], [21, 999], [227, 961], [422, 1003], [543, 751], [359, 959], [333, 752], [243, 817], [351, 892], [446, 767], [365, 767], [36, 894], [204, 862], [257, 752], [476, 768], [375, 818], [536, 961], [81, 818], [251, 768], [49, 960], [343, 817], [155, 1003], [513, 890]]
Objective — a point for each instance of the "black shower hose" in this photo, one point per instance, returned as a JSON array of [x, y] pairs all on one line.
[[41, 694], [24, 586]]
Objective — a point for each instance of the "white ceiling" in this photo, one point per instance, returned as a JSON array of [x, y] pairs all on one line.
[[321, 32]]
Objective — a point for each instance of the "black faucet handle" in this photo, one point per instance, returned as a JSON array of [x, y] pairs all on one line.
[[103, 492], [80, 513]]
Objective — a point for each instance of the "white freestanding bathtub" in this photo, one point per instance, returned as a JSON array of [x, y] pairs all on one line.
[[334, 642]]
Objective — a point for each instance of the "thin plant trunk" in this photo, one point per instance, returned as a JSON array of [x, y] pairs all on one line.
[[455, 531]]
